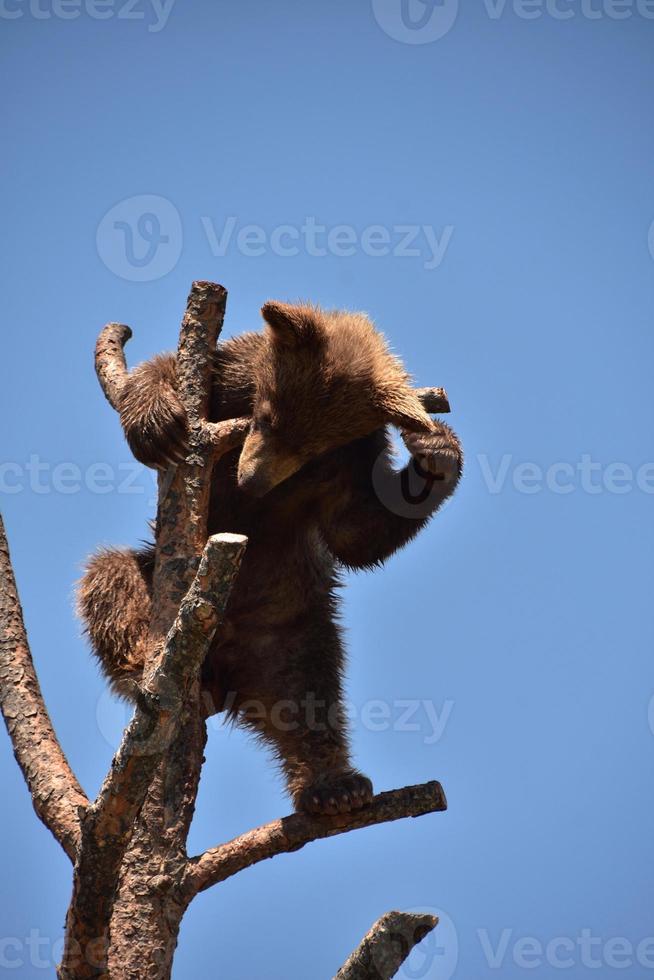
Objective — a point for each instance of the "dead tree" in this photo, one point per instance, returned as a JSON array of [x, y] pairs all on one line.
[[132, 877]]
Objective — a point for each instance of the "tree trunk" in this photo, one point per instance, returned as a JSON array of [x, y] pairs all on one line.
[[149, 904]]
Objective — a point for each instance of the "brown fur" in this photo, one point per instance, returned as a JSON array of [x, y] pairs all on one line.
[[313, 487]]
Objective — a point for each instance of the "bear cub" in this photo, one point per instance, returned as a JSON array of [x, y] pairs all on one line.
[[314, 488]]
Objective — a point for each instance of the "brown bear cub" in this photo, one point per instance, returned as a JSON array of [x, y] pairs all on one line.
[[313, 488]]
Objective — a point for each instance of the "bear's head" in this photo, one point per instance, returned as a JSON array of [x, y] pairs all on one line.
[[323, 380]]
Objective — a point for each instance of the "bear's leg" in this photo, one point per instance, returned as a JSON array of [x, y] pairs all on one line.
[[113, 602], [295, 705]]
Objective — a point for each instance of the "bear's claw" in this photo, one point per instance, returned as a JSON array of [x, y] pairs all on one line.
[[337, 793]]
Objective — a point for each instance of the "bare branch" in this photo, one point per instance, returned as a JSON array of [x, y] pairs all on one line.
[[199, 616], [110, 363], [292, 833], [56, 795], [386, 946], [227, 435]]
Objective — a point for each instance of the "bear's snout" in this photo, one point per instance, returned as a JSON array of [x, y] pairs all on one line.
[[253, 482], [262, 466]]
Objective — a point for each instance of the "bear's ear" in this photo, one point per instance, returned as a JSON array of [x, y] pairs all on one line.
[[402, 408], [291, 325]]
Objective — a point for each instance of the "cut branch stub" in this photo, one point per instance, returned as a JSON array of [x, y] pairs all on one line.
[[110, 364], [386, 946], [434, 400], [199, 616], [227, 435]]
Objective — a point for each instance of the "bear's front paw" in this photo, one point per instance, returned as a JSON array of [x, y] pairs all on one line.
[[438, 455], [158, 437], [338, 792]]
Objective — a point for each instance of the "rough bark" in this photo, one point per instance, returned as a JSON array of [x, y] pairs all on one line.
[[110, 364], [384, 949], [56, 795], [434, 400]]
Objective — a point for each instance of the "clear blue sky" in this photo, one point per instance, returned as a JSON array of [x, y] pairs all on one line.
[[522, 141]]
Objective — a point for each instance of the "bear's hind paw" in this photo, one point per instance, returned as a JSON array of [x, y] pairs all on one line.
[[334, 793]]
